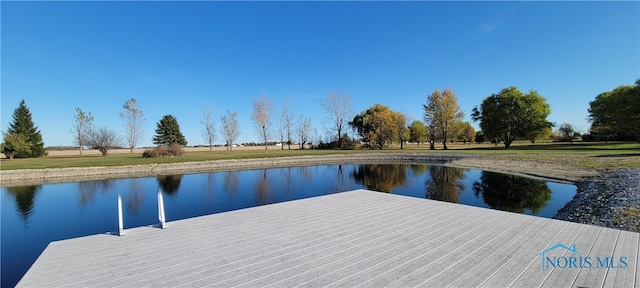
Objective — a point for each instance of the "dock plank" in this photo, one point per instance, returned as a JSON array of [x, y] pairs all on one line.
[[350, 239], [627, 244], [605, 243], [584, 242]]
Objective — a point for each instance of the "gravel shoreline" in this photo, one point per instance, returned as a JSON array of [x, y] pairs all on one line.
[[611, 199]]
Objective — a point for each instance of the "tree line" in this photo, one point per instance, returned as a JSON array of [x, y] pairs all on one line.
[[24, 140], [615, 115], [503, 117]]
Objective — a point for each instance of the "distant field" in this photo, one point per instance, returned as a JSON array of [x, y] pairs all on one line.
[[585, 155]]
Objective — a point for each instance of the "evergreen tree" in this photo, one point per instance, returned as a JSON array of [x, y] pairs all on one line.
[[22, 124], [14, 144], [168, 132]]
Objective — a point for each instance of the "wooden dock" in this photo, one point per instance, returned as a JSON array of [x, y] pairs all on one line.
[[356, 238]]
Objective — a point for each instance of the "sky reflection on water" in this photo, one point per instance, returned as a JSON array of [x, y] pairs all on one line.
[[33, 216]]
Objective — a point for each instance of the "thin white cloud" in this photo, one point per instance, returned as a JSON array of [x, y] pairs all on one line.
[[494, 22], [350, 10]]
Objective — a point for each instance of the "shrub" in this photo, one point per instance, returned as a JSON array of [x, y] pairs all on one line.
[[155, 152], [175, 150], [147, 153], [347, 144], [163, 151]]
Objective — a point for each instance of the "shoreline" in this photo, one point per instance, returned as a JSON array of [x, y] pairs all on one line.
[[549, 172], [612, 200], [596, 200]]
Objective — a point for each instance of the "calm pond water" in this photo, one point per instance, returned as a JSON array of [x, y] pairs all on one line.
[[33, 216]]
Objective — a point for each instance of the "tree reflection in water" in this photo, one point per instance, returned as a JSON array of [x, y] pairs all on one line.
[[381, 177], [135, 196], [341, 182], [262, 187], [231, 181], [418, 169], [445, 183], [306, 173], [211, 179], [285, 174], [24, 197], [87, 189], [170, 183], [512, 193]]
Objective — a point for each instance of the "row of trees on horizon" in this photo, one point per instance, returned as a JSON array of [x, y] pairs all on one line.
[[503, 118]]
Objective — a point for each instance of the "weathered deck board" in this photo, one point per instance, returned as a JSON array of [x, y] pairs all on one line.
[[357, 238]]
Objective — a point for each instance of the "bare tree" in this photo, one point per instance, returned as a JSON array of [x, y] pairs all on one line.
[[103, 139], [261, 115], [288, 119], [134, 122], [338, 106], [230, 128], [82, 127], [317, 138], [304, 130], [209, 131], [282, 128]]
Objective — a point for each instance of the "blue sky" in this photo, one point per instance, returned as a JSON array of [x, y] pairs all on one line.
[[176, 57]]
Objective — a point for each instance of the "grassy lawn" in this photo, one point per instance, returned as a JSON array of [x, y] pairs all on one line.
[[599, 156], [136, 158], [588, 155]]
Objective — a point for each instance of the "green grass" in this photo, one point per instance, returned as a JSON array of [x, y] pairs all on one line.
[[136, 158], [598, 156], [630, 149]]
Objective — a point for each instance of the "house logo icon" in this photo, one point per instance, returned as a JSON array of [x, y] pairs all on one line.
[[563, 256], [572, 249]]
